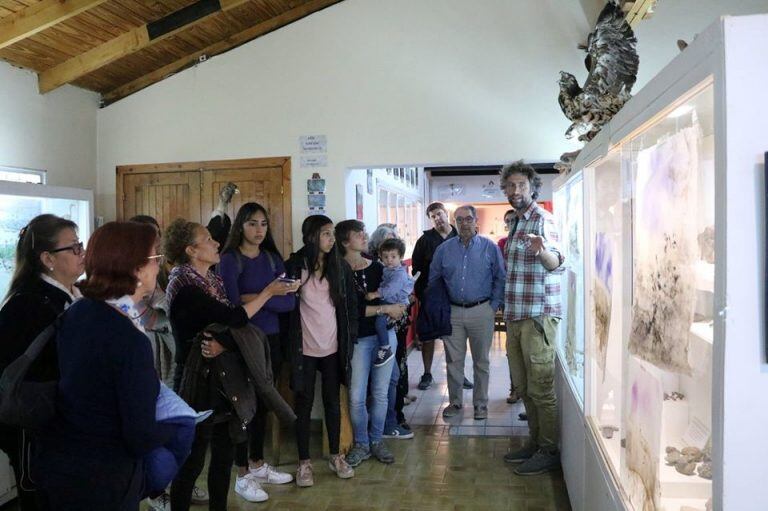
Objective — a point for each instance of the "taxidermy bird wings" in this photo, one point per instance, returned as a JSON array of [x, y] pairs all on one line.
[[612, 62]]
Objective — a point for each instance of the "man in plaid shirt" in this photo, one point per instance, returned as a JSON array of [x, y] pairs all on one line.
[[532, 313]]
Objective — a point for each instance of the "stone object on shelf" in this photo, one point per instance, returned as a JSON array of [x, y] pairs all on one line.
[[608, 430], [685, 467], [705, 470]]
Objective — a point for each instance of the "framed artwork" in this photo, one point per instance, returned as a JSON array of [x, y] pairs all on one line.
[[369, 181], [359, 197]]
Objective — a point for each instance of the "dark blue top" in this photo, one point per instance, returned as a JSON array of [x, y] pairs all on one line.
[[107, 389], [252, 275], [472, 273]]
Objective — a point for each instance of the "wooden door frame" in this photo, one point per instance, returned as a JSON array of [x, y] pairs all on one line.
[[191, 166]]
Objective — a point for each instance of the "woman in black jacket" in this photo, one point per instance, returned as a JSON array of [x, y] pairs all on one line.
[[91, 457], [49, 259], [317, 342], [197, 299]]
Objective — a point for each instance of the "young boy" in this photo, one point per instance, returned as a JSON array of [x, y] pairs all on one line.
[[396, 287]]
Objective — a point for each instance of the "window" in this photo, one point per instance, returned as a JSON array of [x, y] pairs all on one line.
[[404, 210], [17, 175]]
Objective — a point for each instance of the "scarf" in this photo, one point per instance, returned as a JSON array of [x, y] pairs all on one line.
[[185, 275]]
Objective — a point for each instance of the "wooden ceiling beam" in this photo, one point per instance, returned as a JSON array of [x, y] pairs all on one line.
[[639, 10], [37, 17], [130, 42], [237, 39]]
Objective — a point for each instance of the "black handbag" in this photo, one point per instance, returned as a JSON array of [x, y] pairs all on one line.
[[26, 403]]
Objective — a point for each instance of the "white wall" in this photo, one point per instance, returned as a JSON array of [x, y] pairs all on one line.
[[427, 82], [55, 132]]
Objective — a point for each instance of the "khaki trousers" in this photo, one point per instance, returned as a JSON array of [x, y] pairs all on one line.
[[531, 352]]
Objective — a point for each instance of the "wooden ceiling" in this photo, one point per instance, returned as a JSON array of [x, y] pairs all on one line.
[[117, 47]]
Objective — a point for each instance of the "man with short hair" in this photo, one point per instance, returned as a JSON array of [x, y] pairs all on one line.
[[423, 252], [473, 272], [532, 313]]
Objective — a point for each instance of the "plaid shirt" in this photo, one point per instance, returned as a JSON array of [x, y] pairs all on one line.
[[532, 290]]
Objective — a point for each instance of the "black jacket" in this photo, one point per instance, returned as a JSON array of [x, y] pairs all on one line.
[[346, 323], [422, 257], [434, 320], [241, 374]]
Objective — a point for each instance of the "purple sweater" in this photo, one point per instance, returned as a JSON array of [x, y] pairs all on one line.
[[256, 274]]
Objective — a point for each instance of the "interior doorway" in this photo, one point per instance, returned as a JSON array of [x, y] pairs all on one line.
[[190, 190]]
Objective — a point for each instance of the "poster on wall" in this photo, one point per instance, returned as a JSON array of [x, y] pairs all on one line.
[[359, 201], [664, 295]]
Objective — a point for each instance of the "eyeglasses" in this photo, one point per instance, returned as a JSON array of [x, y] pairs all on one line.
[[465, 219], [76, 248], [157, 257]]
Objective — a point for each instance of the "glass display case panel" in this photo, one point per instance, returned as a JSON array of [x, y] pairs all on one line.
[[604, 318], [667, 416], [17, 209], [569, 212]]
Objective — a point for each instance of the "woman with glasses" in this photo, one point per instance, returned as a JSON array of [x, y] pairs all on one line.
[[49, 259], [197, 299], [92, 455]]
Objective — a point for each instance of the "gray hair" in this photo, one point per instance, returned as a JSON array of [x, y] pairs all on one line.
[[379, 235], [522, 168], [470, 208]]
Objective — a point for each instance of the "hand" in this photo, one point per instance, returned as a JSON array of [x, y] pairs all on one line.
[[394, 311], [537, 244], [280, 287], [372, 295], [211, 347]]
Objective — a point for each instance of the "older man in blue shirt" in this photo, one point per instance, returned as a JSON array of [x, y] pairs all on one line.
[[474, 275]]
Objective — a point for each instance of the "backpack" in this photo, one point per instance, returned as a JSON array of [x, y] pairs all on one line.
[[26, 403]]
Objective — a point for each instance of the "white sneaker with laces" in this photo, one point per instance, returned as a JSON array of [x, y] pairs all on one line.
[[250, 489], [266, 474], [161, 503]]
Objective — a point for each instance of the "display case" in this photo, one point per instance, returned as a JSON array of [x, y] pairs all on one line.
[[675, 396], [568, 207]]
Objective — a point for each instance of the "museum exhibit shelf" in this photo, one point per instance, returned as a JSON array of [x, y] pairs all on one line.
[[663, 217], [19, 203]]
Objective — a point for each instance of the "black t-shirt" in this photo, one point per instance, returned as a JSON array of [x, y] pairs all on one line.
[[367, 280]]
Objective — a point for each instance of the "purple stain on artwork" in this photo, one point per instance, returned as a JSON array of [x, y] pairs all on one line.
[[659, 188], [635, 393], [604, 260]]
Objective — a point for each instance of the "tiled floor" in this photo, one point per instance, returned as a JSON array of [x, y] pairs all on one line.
[[448, 466], [427, 409]]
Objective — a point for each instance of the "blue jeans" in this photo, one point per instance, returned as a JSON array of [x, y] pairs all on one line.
[[362, 368]]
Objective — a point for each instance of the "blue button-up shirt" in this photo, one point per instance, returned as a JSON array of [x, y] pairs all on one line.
[[472, 273]]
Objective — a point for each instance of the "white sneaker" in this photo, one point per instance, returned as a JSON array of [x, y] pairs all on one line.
[[161, 503], [199, 495], [266, 474], [250, 489]]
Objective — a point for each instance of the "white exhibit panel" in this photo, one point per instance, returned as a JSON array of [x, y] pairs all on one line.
[[666, 207], [21, 202]]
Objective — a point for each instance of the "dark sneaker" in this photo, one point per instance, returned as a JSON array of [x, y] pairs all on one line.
[[540, 463], [522, 416], [468, 385], [426, 381], [405, 425], [383, 355], [514, 397], [481, 413], [521, 455], [381, 453], [358, 454], [451, 411], [398, 432]]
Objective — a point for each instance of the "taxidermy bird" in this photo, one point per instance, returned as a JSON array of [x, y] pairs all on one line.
[[612, 62]]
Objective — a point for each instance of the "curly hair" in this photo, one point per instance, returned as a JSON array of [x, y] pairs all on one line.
[[522, 168], [391, 244], [379, 235], [178, 236]]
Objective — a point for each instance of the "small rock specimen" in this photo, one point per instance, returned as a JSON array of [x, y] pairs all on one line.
[[685, 467], [705, 470]]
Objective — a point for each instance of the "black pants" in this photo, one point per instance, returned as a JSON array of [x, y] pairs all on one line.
[[258, 426], [12, 443], [217, 435], [401, 360], [329, 370]]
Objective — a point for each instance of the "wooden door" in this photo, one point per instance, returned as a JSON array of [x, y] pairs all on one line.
[[256, 184], [164, 196], [191, 189]]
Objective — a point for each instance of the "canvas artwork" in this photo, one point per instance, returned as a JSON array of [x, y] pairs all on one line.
[[603, 296], [643, 438], [570, 330], [665, 251]]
